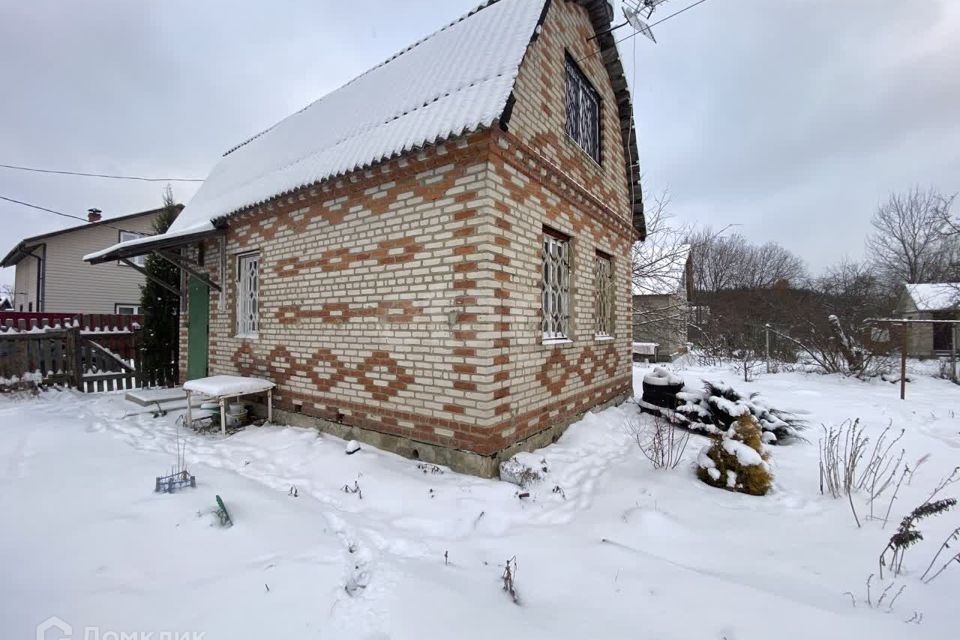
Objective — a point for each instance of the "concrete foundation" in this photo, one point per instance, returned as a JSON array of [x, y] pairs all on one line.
[[485, 466]]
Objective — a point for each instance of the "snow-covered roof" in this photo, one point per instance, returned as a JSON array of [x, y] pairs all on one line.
[[661, 267], [456, 80], [935, 297]]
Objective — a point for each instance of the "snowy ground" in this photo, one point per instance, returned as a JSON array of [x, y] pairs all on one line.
[[618, 551]]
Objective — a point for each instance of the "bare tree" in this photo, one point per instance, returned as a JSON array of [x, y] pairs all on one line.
[[731, 262], [656, 259], [769, 265], [718, 260], [659, 274], [911, 240], [853, 291]]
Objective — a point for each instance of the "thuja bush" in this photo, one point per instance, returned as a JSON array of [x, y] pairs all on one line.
[[737, 460]]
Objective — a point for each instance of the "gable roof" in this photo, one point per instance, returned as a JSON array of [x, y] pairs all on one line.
[[454, 81], [457, 80], [664, 268], [23, 248], [935, 297]]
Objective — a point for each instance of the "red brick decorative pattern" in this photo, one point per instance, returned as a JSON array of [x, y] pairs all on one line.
[[327, 371], [405, 298], [400, 311], [341, 259]]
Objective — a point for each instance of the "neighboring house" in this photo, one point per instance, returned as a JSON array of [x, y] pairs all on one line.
[[661, 295], [5, 304], [51, 275], [930, 302], [434, 258]]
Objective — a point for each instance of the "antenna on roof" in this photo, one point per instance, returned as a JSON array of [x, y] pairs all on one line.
[[631, 11], [649, 5], [632, 14]]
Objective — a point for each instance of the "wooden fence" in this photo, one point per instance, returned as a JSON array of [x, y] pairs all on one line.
[[88, 353]]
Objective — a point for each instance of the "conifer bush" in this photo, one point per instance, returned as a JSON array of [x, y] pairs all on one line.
[[736, 461], [716, 409]]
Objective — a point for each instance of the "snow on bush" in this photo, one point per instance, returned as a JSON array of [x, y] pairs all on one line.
[[737, 461], [718, 406], [523, 469]]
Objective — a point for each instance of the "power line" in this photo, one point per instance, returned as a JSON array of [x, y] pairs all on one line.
[[635, 33], [98, 175], [65, 215]]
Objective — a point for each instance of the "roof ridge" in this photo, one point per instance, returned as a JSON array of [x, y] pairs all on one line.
[[406, 49]]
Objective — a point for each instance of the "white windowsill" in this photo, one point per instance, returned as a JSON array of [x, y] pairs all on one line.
[[247, 336], [557, 341], [604, 338]]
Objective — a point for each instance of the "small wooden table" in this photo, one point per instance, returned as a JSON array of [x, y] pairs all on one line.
[[222, 388]]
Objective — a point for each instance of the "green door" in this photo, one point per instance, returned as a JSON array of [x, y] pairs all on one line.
[[198, 328]]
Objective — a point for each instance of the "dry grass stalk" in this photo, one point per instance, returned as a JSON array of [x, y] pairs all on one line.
[[509, 579]]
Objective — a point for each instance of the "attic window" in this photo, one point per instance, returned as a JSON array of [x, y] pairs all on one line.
[[583, 111]]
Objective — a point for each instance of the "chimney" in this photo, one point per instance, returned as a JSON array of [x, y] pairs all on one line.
[[93, 215]]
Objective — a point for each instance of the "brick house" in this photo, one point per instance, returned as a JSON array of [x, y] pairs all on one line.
[[435, 258]]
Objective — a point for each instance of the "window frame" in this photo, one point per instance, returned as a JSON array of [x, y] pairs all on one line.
[[573, 71], [240, 330], [140, 261], [553, 330], [604, 300], [135, 308]]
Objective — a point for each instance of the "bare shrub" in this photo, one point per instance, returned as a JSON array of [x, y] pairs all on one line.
[[907, 533], [848, 465], [661, 443]]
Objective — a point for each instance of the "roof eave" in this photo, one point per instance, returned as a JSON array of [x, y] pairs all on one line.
[[18, 253], [601, 14], [159, 243]]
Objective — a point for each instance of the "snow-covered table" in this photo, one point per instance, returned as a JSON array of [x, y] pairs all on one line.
[[222, 388]]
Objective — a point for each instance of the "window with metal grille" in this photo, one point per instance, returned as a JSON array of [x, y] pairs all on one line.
[[556, 286], [603, 292], [583, 111], [248, 294]]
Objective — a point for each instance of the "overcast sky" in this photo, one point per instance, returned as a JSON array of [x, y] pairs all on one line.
[[791, 119]]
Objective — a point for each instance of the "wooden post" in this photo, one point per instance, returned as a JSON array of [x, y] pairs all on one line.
[[270, 406], [766, 329], [953, 353], [903, 362], [73, 361]]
